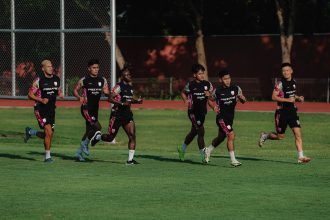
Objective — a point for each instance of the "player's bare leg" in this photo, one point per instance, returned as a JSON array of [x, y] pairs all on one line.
[[215, 142], [299, 146], [271, 136], [47, 142], [231, 149], [130, 131]]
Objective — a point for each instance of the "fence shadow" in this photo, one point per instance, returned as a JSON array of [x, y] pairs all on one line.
[[16, 157]]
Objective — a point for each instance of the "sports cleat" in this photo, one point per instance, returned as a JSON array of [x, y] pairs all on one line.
[[181, 153], [207, 155], [262, 138], [49, 160], [80, 157], [132, 162], [236, 163], [94, 139], [303, 160], [27, 134]]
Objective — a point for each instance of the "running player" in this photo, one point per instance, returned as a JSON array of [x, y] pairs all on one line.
[[226, 96], [196, 94], [88, 91], [44, 91], [285, 95], [121, 115]]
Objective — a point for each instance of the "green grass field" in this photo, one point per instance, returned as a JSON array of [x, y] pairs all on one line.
[[269, 184]]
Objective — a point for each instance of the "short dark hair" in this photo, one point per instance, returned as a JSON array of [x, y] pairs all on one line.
[[127, 66], [197, 67], [286, 64], [223, 72], [92, 62]]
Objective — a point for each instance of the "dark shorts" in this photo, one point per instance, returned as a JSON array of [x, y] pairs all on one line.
[[90, 115], [119, 119], [44, 117], [283, 118], [225, 124], [197, 119]]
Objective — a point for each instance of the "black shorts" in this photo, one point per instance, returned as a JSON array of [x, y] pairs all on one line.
[[90, 115], [44, 117], [225, 124], [283, 118], [197, 119], [118, 119]]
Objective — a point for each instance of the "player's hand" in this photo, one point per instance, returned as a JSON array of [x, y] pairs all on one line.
[[139, 101], [207, 93], [82, 100], [125, 104], [242, 99], [300, 98], [44, 101], [216, 109]]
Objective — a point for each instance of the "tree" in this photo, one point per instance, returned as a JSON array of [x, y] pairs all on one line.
[[285, 10]]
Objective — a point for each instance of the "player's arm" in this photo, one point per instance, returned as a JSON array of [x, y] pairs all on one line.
[[212, 103], [113, 97], [33, 90], [60, 93], [105, 88], [76, 91], [184, 93], [277, 98], [240, 96], [137, 101]]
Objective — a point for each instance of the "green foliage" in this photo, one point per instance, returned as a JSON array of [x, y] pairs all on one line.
[[269, 184], [70, 84]]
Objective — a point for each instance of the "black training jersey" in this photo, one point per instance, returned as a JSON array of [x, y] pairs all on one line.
[[195, 92], [226, 99], [49, 88], [92, 88], [286, 89], [122, 92]]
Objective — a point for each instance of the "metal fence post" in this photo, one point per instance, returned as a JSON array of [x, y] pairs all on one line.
[[113, 42], [328, 92], [62, 47], [13, 49]]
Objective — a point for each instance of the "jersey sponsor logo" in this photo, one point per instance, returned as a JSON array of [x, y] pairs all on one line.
[[232, 92], [55, 83]]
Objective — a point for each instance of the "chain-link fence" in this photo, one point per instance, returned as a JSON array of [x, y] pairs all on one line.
[[67, 32]]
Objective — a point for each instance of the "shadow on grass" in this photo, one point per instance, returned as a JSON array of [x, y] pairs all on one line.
[[256, 159], [165, 159], [73, 158], [16, 157]]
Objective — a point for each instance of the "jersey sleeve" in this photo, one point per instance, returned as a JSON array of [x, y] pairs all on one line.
[[35, 86], [214, 94], [116, 90], [210, 87], [186, 88], [105, 84], [239, 91], [278, 86]]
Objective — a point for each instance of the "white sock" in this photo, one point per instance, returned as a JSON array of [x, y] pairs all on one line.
[[202, 151], [184, 147], [85, 142], [130, 154], [300, 154], [211, 148], [47, 154], [232, 156]]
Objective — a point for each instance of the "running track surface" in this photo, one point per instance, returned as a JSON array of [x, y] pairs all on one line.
[[179, 105]]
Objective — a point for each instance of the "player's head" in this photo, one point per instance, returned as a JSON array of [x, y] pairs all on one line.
[[47, 67], [93, 67], [125, 73], [198, 71], [287, 70], [224, 77]]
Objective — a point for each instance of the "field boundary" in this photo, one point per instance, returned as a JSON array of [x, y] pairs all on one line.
[[313, 107]]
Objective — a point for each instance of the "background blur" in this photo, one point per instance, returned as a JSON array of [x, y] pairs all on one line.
[[158, 39]]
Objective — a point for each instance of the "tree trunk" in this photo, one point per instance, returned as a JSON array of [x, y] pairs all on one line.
[[199, 41], [285, 17], [119, 56]]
